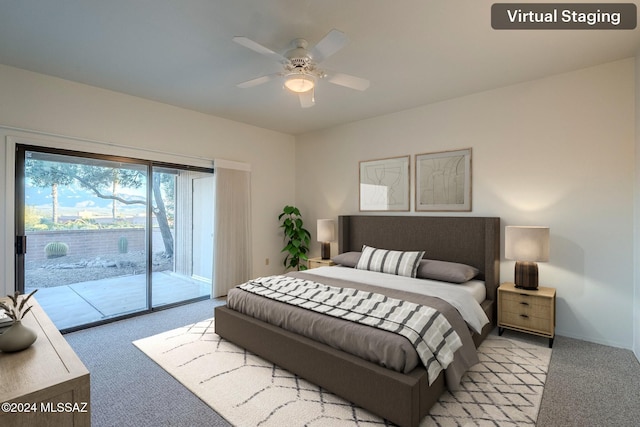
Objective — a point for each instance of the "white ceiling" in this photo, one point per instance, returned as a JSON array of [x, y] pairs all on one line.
[[181, 52]]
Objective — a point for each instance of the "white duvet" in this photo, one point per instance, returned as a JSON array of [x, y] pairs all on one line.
[[459, 296]]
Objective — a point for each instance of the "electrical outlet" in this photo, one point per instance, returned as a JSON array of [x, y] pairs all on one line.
[[266, 261]]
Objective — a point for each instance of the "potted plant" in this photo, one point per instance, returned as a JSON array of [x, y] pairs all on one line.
[[296, 237], [17, 336]]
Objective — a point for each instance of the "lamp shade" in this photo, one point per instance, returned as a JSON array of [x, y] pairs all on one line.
[[299, 83], [326, 230], [527, 243]]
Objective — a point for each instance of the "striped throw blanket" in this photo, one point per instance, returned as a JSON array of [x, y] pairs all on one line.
[[427, 329]]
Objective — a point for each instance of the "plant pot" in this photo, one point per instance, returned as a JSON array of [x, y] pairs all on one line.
[[17, 338]]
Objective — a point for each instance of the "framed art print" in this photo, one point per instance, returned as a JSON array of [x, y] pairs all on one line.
[[443, 181], [384, 184]]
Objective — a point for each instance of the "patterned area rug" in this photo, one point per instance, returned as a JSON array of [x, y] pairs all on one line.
[[504, 389]]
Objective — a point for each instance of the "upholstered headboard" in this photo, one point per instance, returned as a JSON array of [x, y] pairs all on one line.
[[469, 240]]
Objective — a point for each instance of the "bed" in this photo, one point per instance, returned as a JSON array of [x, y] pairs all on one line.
[[403, 398]]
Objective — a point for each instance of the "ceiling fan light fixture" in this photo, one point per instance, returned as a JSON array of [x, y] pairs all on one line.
[[299, 83]]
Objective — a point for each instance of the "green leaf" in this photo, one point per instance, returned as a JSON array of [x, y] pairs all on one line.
[[297, 238]]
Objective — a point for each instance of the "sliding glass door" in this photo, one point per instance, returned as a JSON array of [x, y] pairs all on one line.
[[182, 238], [102, 237]]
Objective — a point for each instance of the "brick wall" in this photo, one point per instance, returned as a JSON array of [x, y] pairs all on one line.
[[89, 243]]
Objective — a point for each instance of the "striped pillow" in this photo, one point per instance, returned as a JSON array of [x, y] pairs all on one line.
[[391, 262]]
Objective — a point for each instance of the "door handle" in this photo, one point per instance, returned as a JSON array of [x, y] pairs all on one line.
[[21, 245]]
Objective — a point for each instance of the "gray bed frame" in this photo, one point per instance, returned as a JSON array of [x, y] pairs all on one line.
[[403, 399]]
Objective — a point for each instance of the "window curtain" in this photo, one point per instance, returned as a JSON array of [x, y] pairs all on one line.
[[232, 221]]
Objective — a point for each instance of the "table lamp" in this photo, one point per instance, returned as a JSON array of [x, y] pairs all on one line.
[[326, 234], [527, 246]]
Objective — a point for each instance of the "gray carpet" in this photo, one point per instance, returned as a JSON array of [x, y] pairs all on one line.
[[590, 385], [128, 388], [587, 384]]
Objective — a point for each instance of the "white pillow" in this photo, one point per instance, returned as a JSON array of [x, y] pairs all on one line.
[[392, 262]]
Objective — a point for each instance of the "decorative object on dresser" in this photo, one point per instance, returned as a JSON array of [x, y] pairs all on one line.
[[527, 246], [319, 262], [326, 235], [523, 310], [296, 236], [443, 181], [46, 384], [384, 184], [15, 337]]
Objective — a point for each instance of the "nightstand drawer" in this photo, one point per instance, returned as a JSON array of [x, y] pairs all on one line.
[[527, 305], [319, 262], [522, 297], [524, 321]]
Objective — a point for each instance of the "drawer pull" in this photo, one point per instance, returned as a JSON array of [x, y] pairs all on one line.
[[523, 295], [524, 315], [524, 303]]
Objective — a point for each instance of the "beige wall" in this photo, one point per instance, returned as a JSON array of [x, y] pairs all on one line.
[[557, 151], [636, 303], [37, 102]]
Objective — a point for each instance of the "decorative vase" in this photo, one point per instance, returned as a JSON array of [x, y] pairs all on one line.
[[17, 338]]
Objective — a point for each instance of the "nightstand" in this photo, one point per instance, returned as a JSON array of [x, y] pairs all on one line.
[[533, 312], [319, 262]]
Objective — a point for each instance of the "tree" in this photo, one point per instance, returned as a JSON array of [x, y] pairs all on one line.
[[45, 174], [104, 182], [161, 214]]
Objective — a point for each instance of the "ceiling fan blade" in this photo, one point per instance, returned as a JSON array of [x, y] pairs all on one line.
[[257, 81], [330, 44], [346, 80], [257, 47], [307, 99]]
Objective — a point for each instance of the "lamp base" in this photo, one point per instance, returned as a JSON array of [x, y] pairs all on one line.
[[526, 275], [325, 250]]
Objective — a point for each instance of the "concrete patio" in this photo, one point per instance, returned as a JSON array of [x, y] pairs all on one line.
[[81, 303]]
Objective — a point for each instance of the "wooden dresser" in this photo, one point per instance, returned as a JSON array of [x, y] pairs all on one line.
[[528, 311], [46, 384]]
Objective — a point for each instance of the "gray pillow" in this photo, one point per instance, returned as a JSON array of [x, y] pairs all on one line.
[[446, 271], [400, 263], [348, 259], [428, 269]]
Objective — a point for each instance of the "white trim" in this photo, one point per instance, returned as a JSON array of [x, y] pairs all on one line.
[[231, 164], [104, 147], [7, 249]]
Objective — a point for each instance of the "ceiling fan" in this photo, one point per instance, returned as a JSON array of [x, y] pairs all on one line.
[[300, 66]]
